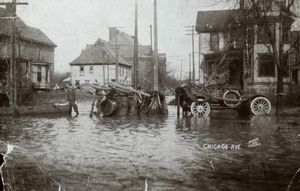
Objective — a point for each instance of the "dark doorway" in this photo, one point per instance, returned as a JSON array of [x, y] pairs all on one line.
[[235, 69]]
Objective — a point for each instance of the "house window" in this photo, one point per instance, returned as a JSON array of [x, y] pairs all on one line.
[[91, 70], [214, 41], [266, 65], [266, 33], [81, 70], [39, 74], [295, 76]]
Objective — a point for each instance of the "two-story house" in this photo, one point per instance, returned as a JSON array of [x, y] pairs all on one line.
[[236, 48], [97, 64], [33, 53]]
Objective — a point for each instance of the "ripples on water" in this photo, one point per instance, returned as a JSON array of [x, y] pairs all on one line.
[[121, 153]]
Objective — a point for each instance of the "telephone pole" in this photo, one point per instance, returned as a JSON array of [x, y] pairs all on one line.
[[193, 50], [103, 67], [190, 63], [12, 9], [199, 69], [136, 50], [155, 55], [180, 78]]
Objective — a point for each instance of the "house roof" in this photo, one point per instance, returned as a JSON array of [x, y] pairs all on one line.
[[95, 54], [26, 32], [213, 21]]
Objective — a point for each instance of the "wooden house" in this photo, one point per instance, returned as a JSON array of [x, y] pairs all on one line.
[[97, 64], [236, 52], [33, 52]]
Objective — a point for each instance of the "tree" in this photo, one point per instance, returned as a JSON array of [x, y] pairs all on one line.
[[272, 20]]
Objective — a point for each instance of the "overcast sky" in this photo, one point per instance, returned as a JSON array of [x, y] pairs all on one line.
[[71, 24]]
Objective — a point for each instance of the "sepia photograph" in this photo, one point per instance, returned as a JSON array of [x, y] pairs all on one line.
[[150, 95]]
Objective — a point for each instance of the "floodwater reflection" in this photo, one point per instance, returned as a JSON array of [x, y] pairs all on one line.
[[223, 152]]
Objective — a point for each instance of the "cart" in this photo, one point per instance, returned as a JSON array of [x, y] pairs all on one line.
[[200, 100]]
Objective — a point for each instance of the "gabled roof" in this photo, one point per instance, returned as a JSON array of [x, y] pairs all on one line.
[[214, 21], [96, 54], [26, 32]]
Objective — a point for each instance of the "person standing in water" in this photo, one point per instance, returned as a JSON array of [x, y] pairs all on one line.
[[71, 97]]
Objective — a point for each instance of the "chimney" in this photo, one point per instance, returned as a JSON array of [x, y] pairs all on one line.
[[113, 32]]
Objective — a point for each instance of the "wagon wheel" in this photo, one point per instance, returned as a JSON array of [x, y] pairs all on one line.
[[260, 106], [200, 108], [231, 94]]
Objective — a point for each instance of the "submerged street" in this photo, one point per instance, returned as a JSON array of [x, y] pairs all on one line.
[[224, 152]]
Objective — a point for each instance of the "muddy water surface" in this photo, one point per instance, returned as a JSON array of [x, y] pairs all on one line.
[[224, 152]]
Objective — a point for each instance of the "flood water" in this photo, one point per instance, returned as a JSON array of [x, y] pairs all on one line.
[[161, 153]]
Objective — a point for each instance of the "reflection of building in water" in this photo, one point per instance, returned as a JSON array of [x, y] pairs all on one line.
[[192, 123]]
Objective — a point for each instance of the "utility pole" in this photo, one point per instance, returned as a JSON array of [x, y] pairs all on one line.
[[107, 61], [103, 67], [155, 55], [190, 63], [12, 6], [136, 49], [151, 54], [193, 50], [151, 43], [180, 78], [199, 67]]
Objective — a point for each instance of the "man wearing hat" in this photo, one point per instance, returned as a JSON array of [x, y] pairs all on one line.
[[71, 97]]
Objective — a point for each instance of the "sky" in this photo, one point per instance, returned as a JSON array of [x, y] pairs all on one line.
[[71, 24]]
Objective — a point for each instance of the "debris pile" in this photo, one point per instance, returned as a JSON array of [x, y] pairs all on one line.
[[118, 100]]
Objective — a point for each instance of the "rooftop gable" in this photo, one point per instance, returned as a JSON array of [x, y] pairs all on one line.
[[97, 54], [26, 32]]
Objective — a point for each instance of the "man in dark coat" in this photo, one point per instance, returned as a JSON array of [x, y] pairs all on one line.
[[71, 97]]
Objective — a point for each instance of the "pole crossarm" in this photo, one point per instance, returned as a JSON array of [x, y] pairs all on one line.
[[9, 3]]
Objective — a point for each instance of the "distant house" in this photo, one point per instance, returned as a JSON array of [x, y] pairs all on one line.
[[97, 64], [250, 67], [34, 53], [125, 42]]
